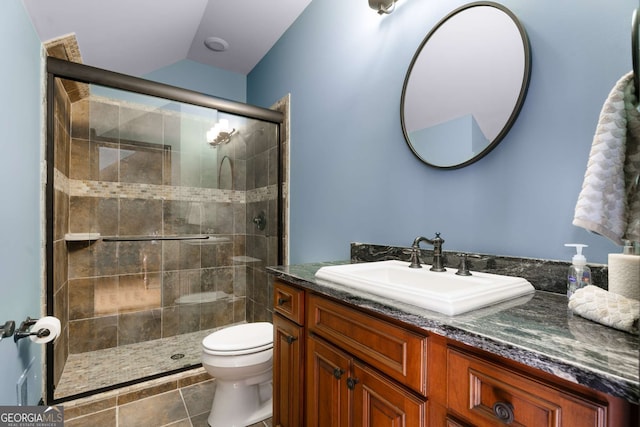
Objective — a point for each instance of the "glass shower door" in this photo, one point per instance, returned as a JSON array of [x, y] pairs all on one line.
[[159, 236]]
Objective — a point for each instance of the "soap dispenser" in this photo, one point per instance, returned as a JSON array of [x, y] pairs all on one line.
[[579, 274]]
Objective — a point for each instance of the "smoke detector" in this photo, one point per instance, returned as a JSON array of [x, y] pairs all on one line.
[[216, 44]]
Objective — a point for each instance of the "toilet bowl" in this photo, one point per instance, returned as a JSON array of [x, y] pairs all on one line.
[[240, 358]]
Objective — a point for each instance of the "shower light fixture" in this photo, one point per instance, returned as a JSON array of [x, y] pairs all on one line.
[[382, 6], [220, 133]]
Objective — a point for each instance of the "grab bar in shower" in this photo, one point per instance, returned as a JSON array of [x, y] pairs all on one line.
[[150, 238]]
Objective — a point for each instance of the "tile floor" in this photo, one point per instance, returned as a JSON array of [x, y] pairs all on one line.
[[179, 400], [103, 368], [182, 401]]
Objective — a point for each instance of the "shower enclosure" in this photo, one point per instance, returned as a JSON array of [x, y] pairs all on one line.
[[158, 226]]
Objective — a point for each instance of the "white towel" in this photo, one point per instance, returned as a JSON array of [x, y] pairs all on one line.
[[607, 308], [609, 202]]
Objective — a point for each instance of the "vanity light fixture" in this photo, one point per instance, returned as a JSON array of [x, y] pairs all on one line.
[[382, 6], [220, 133]]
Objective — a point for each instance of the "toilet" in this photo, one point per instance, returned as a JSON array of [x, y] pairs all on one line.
[[240, 358]]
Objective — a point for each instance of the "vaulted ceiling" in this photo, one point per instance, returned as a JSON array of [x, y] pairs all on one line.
[[137, 37]]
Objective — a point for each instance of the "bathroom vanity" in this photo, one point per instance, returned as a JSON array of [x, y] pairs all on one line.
[[343, 357]]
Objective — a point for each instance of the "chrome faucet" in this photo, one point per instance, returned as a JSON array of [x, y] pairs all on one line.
[[436, 242]]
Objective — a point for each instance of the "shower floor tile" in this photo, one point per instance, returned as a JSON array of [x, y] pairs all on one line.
[[84, 372]]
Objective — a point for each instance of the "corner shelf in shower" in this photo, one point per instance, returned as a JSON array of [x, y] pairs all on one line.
[[81, 237], [245, 259], [212, 240]]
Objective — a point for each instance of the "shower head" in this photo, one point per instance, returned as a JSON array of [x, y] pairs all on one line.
[[221, 138]]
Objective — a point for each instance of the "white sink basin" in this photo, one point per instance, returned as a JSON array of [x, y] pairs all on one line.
[[444, 292]]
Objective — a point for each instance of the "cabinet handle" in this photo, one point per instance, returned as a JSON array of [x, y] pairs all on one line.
[[337, 372], [290, 339], [503, 411], [351, 383], [283, 300]]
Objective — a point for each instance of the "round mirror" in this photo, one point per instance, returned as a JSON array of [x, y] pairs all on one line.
[[465, 85]]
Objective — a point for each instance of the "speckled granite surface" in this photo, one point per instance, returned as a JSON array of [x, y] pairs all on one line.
[[536, 330]]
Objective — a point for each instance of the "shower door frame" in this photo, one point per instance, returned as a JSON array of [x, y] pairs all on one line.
[[59, 68]]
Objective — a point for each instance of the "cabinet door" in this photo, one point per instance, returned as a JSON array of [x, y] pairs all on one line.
[[380, 402], [288, 373], [327, 397]]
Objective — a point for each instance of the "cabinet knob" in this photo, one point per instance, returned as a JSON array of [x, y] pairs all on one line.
[[337, 372], [283, 300], [351, 383], [503, 411], [290, 339]]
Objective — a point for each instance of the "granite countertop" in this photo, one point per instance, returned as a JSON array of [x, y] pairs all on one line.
[[536, 330]]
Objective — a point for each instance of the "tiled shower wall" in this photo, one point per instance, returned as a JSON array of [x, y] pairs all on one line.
[[127, 180], [131, 182], [62, 138]]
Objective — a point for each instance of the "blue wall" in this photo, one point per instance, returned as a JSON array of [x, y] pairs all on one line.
[[354, 179], [20, 136], [204, 79]]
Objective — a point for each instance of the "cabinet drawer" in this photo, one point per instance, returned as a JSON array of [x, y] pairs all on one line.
[[288, 301], [395, 351], [487, 394]]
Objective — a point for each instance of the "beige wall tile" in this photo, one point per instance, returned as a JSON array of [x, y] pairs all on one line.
[[105, 418], [154, 411], [198, 398]]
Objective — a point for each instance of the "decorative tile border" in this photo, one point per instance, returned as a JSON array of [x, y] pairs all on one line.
[[60, 182], [123, 190], [262, 194]]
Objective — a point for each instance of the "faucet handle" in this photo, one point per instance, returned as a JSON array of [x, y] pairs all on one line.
[[463, 270], [415, 257], [438, 240]]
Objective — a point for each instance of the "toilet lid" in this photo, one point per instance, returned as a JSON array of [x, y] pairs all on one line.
[[248, 336]]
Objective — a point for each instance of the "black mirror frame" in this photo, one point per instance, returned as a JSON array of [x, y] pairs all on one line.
[[521, 97]]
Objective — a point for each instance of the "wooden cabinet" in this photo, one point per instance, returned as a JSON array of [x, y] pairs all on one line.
[[342, 391], [328, 400], [379, 402], [288, 372], [288, 356], [289, 301], [361, 370], [486, 394], [451, 422], [393, 350], [338, 365]]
